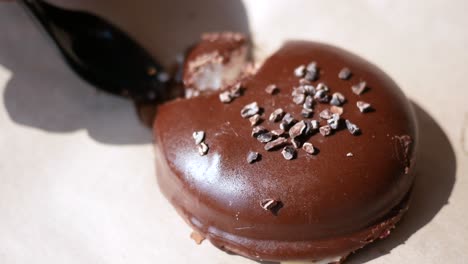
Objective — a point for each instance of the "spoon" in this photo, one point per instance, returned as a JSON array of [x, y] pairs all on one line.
[[102, 54]]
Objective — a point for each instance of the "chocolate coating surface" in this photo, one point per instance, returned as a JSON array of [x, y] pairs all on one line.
[[332, 203]]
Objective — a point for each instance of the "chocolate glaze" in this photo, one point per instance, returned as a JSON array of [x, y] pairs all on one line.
[[332, 204]]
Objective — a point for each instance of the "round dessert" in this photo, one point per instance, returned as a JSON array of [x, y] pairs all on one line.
[[308, 159]]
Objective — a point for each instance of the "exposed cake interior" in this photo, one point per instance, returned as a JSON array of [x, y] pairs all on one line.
[[218, 60]]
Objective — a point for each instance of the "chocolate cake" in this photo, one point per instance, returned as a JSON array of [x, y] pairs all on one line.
[[309, 159]]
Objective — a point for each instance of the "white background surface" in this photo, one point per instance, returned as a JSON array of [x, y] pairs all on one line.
[[77, 181]]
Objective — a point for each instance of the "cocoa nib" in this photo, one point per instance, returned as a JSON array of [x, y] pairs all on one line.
[[344, 74], [325, 130], [300, 71], [288, 152], [308, 102], [352, 128], [334, 121], [236, 90], [306, 113], [198, 136], [337, 99], [254, 120], [250, 110], [325, 114], [225, 97], [197, 237], [336, 109], [265, 137], [272, 89], [202, 149], [299, 99], [279, 142], [252, 157], [278, 132], [270, 204], [297, 130], [258, 130], [287, 122], [359, 88], [276, 115], [322, 96], [363, 106], [308, 148]]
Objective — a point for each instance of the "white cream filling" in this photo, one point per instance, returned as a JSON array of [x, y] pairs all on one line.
[[213, 75]]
